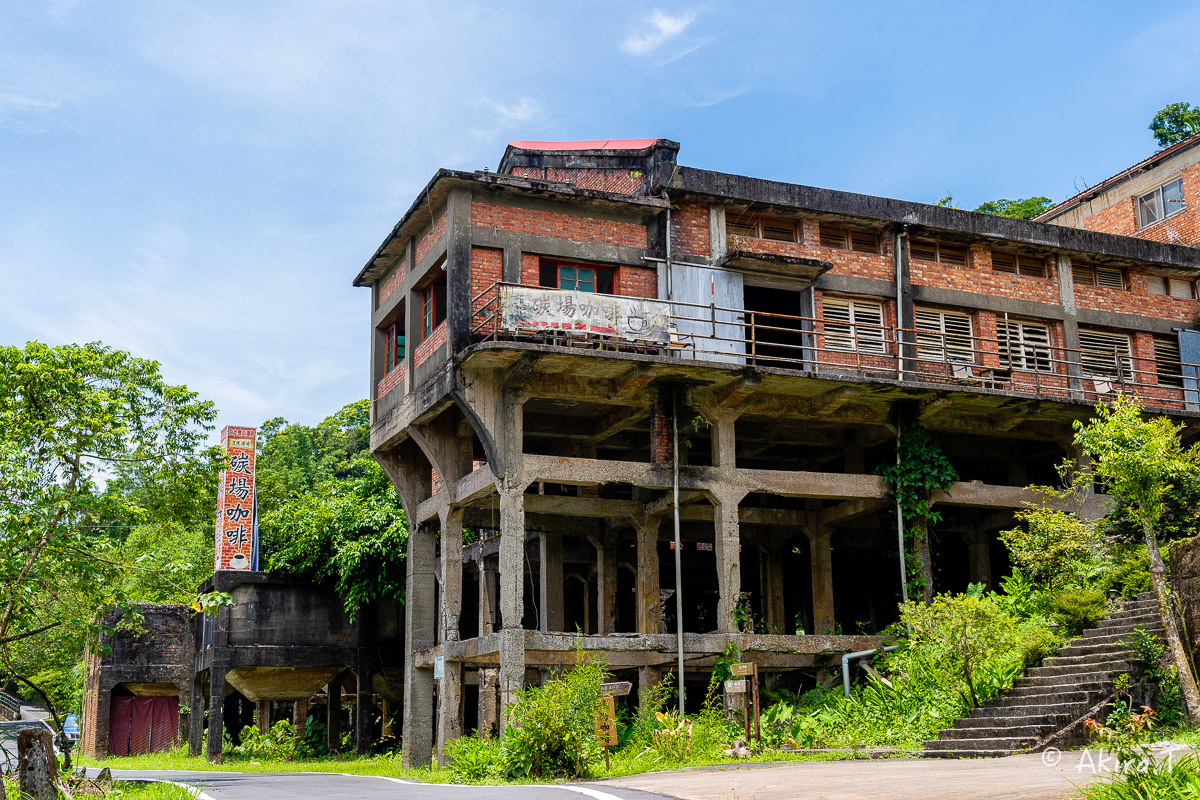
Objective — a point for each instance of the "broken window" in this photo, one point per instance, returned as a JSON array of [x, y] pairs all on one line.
[[854, 325], [433, 305], [1024, 345], [1105, 355], [944, 336], [1161, 203], [393, 345], [576, 277], [1167, 362]]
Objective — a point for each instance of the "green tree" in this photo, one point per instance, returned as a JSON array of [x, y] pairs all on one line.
[[1139, 461], [76, 421], [1174, 123], [1023, 208], [1052, 544]]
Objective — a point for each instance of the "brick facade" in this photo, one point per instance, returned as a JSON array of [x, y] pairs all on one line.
[[1180, 228], [574, 227], [390, 381], [620, 181], [430, 346], [689, 230], [431, 237]]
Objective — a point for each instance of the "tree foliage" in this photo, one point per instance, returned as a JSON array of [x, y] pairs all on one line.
[[1174, 123], [329, 511], [1052, 544], [93, 444], [1022, 208]]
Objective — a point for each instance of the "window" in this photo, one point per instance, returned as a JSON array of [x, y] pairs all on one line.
[[1167, 358], [1172, 287], [854, 325], [849, 239], [1027, 266], [944, 336], [777, 229], [1161, 203], [576, 277], [1108, 277], [433, 306], [941, 252], [1024, 345], [393, 346], [1105, 355]]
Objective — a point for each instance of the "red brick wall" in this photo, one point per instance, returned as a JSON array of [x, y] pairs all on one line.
[[979, 277], [1183, 228], [426, 348], [879, 266], [558, 226], [390, 381], [621, 181], [1136, 300], [689, 230], [389, 285], [431, 237], [487, 269], [637, 281], [661, 436]]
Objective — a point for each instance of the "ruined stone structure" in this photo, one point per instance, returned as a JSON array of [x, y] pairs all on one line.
[[567, 350]]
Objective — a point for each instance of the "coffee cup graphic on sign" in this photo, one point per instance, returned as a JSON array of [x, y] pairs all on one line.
[[239, 561]]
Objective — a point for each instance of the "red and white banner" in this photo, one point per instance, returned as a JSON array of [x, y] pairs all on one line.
[[237, 518]]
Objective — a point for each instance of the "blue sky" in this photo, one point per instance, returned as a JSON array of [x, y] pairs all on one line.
[[198, 182]]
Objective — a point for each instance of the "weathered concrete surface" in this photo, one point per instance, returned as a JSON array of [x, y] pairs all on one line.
[[1024, 777], [36, 768]]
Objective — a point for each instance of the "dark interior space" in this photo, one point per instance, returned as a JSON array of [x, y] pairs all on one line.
[[773, 336]]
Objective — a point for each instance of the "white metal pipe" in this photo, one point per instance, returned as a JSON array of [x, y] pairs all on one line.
[[860, 654]]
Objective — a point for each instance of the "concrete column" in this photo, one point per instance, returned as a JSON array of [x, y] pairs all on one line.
[[300, 720], [649, 603], [420, 632], [606, 584], [216, 711], [724, 441], [1070, 325], [262, 715], [821, 555], [385, 729], [450, 716], [487, 596], [364, 706], [727, 548], [512, 557], [512, 669], [979, 558], [333, 715], [489, 714], [550, 561], [195, 719], [647, 678], [451, 578]]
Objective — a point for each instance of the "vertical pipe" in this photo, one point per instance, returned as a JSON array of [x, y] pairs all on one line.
[[678, 545], [900, 529]]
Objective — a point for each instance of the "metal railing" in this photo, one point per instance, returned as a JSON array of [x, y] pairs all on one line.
[[810, 344]]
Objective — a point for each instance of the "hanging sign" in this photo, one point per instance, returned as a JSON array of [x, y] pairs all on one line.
[[237, 517], [527, 308]]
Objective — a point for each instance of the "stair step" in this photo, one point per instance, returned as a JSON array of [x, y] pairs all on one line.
[[1018, 731], [1008, 743], [1014, 720], [1071, 709], [1115, 637], [1096, 678], [1110, 665], [940, 753]]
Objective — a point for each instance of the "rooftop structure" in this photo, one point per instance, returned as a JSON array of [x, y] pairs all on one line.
[[569, 349]]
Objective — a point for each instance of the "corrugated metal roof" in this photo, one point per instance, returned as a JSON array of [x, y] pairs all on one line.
[[594, 144]]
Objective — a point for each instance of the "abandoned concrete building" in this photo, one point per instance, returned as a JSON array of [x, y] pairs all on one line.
[[659, 395]]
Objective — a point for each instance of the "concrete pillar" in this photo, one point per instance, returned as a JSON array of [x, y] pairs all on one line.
[[820, 549], [724, 441], [385, 729], [649, 603], [979, 558], [727, 548], [262, 715], [102, 721], [333, 715], [1070, 325], [489, 713], [450, 716], [606, 583], [216, 711], [487, 596], [512, 669], [364, 706], [195, 719], [550, 602], [648, 677], [420, 632], [451, 577], [300, 720], [512, 557]]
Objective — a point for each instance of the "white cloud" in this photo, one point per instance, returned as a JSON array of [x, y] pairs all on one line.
[[23, 114], [663, 28]]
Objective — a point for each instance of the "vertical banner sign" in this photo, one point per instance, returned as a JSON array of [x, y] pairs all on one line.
[[237, 507]]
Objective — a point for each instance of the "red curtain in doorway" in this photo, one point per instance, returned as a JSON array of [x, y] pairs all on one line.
[[139, 725]]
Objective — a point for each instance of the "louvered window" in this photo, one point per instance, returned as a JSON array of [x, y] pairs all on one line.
[[848, 239], [854, 325], [1166, 357], [944, 336], [1172, 287], [1108, 277], [1161, 203], [941, 252], [779, 230], [774, 228], [1105, 355], [1027, 266], [1024, 345], [741, 226]]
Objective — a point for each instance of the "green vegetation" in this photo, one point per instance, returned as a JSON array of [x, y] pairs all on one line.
[[1023, 208], [1174, 123], [124, 791]]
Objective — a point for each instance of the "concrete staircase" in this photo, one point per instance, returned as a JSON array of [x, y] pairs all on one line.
[[1054, 697]]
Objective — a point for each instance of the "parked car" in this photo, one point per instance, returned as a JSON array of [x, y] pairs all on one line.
[[8, 739]]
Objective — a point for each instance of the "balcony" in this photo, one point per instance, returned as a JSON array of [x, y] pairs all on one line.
[[823, 347]]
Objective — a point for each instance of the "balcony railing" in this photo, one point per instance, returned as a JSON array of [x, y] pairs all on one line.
[[743, 336]]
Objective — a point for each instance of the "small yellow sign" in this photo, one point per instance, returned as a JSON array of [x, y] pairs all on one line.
[[239, 443], [606, 724], [743, 669]]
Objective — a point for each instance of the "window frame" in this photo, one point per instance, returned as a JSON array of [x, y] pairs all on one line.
[[942, 345], [754, 226], [1019, 268], [1168, 283], [433, 305], [1096, 368], [938, 245], [601, 274], [1033, 355], [1158, 195], [852, 335], [1094, 271], [846, 237], [1172, 375], [393, 342]]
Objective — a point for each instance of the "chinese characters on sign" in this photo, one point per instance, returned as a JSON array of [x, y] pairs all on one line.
[[525, 308], [237, 523]]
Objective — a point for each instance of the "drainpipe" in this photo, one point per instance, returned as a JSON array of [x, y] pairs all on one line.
[[670, 294], [899, 264], [860, 654], [900, 530], [678, 545]]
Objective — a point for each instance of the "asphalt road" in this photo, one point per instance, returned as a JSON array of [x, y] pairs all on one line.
[[334, 786]]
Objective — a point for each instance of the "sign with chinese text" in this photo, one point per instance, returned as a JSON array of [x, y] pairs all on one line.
[[606, 724], [237, 518], [635, 319]]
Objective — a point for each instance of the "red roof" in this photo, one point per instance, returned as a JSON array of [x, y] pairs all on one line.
[[595, 144]]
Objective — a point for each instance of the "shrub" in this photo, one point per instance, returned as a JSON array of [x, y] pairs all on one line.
[[277, 744], [1036, 644], [475, 759], [551, 728], [1078, 609]]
